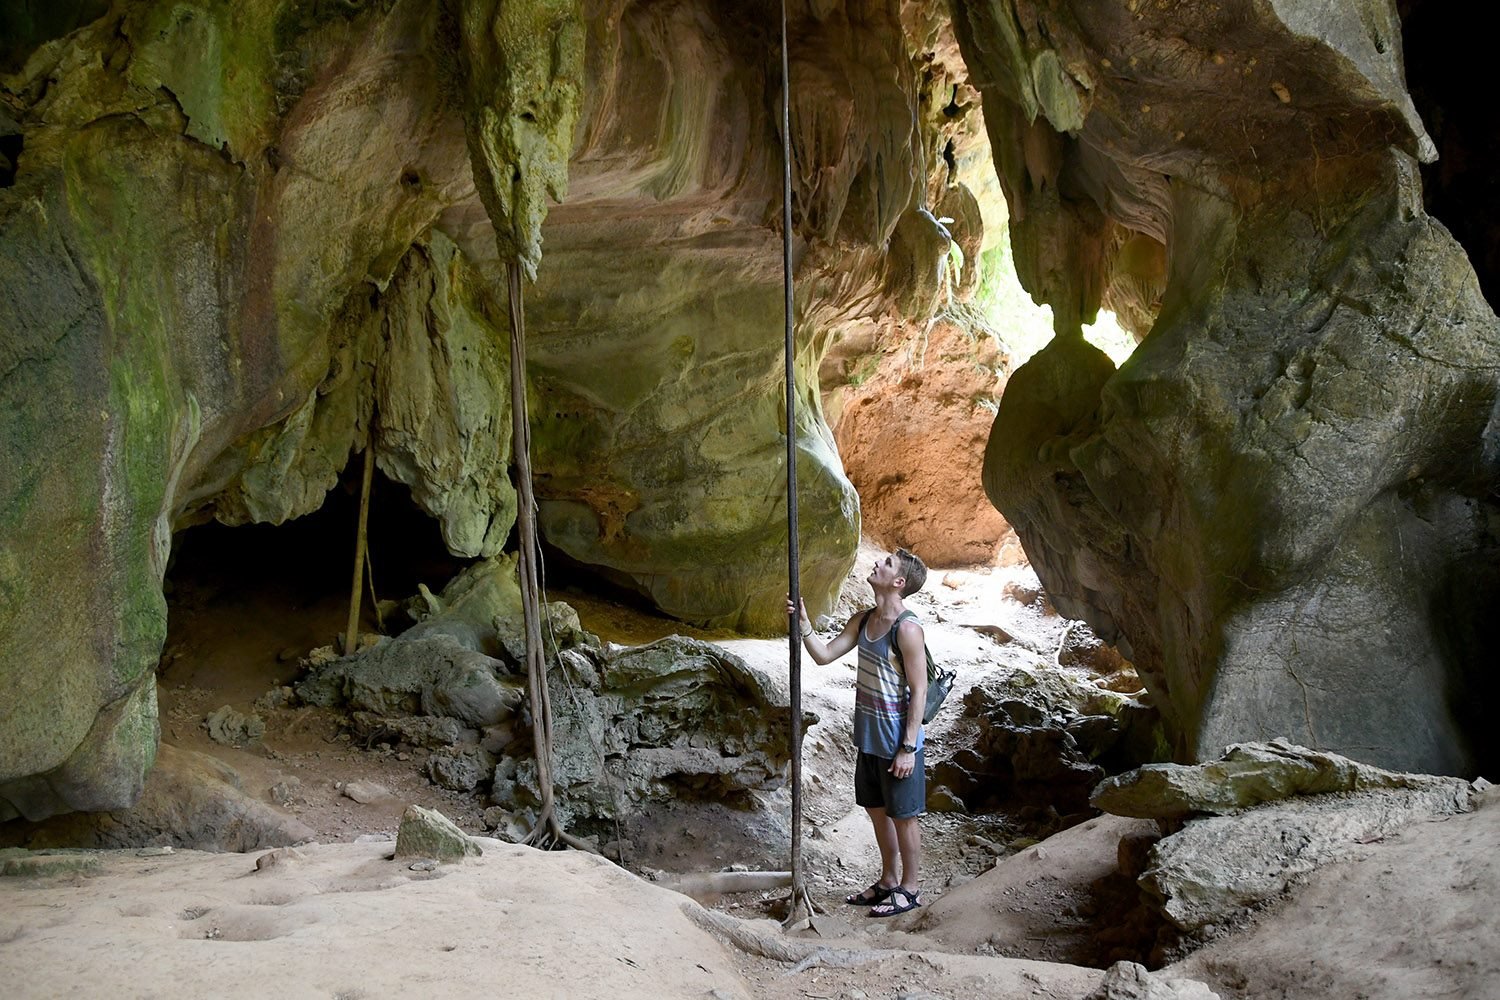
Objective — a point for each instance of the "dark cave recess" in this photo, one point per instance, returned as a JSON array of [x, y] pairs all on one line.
[[1446, 58], [310, 559]]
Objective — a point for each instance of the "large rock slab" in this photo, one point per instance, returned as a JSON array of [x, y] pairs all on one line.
[[1217, 867], [1251, 774], [1280, 812], [1398, 918]]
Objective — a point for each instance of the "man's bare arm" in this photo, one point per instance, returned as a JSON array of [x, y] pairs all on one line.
[[828, 652], [914, 659]]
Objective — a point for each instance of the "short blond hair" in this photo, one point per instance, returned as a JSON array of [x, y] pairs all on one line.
[[913, 569]]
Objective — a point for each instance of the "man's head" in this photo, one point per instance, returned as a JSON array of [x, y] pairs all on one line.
[[901, 570], [913, 569]]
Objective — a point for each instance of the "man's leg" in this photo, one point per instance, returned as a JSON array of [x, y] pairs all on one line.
[[908, 834], [890, 849], [905, 799]]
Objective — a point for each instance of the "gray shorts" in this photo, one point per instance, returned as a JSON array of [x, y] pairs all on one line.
[[876, 788]]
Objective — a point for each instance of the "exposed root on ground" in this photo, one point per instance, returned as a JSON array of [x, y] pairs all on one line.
[[802, 955]]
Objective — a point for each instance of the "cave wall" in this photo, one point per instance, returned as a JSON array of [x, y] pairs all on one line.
[[1269, 505], [241, 243]]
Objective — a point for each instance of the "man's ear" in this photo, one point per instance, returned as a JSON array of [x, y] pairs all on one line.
[[900, 584]]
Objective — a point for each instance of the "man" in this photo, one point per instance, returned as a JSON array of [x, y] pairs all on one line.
[[890, 694]]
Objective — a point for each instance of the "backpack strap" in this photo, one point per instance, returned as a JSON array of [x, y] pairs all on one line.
[[932, 670]]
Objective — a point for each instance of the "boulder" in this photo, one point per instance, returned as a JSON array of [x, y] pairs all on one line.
[[366, 792], [1130, 981], [427, 731], [427, 833], [676, 719], [1045, 740], [230, 727], [460, 772], [426, 675]]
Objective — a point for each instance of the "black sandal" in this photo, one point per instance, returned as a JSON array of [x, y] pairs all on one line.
[[877, 893], [902, 900]]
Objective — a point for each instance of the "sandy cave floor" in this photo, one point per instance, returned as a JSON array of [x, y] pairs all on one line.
[[337, 919]]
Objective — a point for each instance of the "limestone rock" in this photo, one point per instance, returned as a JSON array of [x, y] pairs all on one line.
[[16, 862], [190, 801], [230, 727], [1218, 866], [1043, 742], [440, 677], [1278, 510], [1252, 774], [1129, 981], [430, 675], [935, 412], [366, 792], [522, 73], [460, 772], [282, 857], [427, 833], [195, 328], [1284, 811], [675, 719], [427, 731]]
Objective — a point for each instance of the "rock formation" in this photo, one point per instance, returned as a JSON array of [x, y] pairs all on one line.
[[1281, 507], [1262, 816], [908, 435], [633, 727]]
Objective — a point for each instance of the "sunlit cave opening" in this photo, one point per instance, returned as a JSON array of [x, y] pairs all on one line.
[[1025, 327]]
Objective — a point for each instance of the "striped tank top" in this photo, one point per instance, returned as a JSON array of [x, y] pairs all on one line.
[[880, 697]]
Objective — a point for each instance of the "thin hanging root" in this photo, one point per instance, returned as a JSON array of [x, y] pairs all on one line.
[[351, 634], [374, 601]]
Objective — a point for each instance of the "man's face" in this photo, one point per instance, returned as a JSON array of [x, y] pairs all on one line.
[[886, 572]]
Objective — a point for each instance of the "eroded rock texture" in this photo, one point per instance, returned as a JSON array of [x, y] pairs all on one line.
[[909, 434], [1282, 504], [1264, 815], [243, 242]]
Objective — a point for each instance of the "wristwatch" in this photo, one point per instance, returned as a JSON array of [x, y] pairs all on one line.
[[909, 748]]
